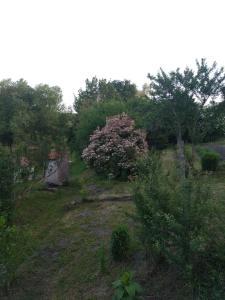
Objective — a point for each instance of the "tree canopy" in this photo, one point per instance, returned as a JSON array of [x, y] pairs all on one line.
[[100, 90]]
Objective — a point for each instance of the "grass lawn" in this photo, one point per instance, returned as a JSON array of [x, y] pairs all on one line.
[[65, 263]]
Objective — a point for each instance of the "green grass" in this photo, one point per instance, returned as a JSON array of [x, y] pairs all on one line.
[[67, 255], [65, 262]]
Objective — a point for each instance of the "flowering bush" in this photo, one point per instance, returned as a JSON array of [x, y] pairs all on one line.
[[114, 148]]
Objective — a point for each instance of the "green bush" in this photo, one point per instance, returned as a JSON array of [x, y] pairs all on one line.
[[14, 247], [6, 184], [184, 225], [102, 259], [126, 288], [210, 161], [92, 117], [120, 243]]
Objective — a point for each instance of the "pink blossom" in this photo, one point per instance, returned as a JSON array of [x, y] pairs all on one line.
[[115, 148]]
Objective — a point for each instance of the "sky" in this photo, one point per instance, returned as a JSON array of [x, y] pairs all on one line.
[[63, 42]]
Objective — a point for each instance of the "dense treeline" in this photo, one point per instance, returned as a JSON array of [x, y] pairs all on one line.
[[32, 121], [31, 115], [175, 106], [180, 104]]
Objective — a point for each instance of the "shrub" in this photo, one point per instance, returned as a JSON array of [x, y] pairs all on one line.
[[102, 259], [6, 184], [120, 243], [14, 247], [115, 148], [183, 225], [126, 288], [158, 139], [92, 117], [210, 161]]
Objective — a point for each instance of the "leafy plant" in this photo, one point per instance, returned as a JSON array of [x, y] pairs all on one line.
[[102, 259], [182, 224], [102, 90], [92, 117], [120, 243], [210, 160], [126, 288], [15, 245], [6, 184], [115, 148]]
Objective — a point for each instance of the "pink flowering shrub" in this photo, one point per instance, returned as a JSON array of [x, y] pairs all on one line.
[[113, 150]]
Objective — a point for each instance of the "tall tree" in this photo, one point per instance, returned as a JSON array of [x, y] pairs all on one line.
[[184, 95], [7, 111], [100, 90], [208, 82], [176, 104]]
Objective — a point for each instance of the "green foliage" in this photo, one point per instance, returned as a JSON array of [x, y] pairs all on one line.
[[101, 90], [14, 248], [178, 108], [93, 117], [6, 184], [208, 81], [120, 243], [184, 94], [9, 104], [212, 125], [152, 201], [152, 116], [102, 259], [182, 224], [188, 154], [209, 160], [33, 117], [149, 115], [126, 288]]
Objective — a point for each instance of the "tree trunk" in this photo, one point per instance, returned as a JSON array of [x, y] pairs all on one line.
[[192, 154], [181, 156]]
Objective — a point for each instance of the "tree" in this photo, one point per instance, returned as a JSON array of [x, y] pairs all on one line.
[[7, 112], [100, 90], [14, 97], [89, 118], [184, 225], [208, 82], [205, 85], [176, 105], [184, 95], [32, 117], [6, 184], [125, 89], [212, 123]]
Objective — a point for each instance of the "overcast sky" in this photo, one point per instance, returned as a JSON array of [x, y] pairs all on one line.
[[64, 42]]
